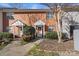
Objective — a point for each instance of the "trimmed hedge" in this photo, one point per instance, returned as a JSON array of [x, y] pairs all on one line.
[[28, 30], [51, 35], [29, 33], [6, 37]]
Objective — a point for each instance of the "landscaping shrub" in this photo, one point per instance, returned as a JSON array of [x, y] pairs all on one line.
[[64, 36], [32, 32], [29, 33], [1, 35], [51, 35], [6, 37], [26, 38], [28, 30]]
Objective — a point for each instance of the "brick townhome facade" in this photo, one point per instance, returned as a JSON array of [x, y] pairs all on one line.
[[13, 20]]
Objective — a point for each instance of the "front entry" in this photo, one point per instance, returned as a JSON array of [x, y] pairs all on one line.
[[39, 31], [17, 31], [40, 28], [20, 31], [17, 28]]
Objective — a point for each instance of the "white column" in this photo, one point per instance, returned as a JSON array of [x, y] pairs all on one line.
[[35, 30], [14, 32], [43, 29]]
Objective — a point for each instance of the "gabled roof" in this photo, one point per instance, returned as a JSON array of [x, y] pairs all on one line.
[[39, 22], [17, 23]]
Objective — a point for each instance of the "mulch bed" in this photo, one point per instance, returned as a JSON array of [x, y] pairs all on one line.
[[53, 45]]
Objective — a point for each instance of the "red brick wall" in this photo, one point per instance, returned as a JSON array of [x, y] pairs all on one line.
[[5, 22], [29, 19]]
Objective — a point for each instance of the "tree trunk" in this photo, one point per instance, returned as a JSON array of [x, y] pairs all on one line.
[[58, 26], [58, 32]]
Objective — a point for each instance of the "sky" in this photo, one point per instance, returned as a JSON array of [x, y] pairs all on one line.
[[23, 5], [30, 5]]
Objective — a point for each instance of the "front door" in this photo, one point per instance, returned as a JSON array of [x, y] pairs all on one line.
[[39, 30]]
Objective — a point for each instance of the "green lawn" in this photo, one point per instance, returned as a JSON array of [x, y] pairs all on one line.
[[36, 51]]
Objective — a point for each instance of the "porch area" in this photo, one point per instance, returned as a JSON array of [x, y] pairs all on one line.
[[17, 28]]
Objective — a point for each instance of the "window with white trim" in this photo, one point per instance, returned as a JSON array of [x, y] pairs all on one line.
[[49, 16], [50, 28]]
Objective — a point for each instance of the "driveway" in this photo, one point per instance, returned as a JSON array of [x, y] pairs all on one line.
[[16, 49]]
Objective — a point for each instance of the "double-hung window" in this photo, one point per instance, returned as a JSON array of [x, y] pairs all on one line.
[[49, 15]]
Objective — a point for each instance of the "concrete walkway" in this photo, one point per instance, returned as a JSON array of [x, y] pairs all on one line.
[[16, 49]]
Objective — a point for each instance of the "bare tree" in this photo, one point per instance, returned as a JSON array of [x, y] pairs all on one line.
[[56, 9], [59, 9]]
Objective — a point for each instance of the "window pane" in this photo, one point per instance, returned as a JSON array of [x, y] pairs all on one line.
[[51, 28], [49, 15]]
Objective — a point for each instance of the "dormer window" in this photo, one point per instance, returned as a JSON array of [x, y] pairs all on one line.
[[49, 15], [10, 16]]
